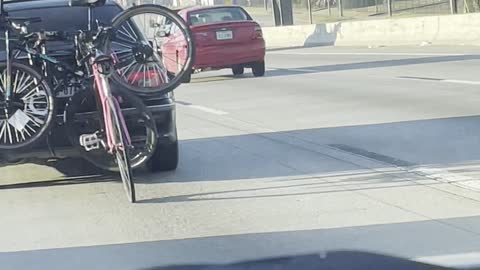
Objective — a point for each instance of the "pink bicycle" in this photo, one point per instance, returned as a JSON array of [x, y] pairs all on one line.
[[120, 55]]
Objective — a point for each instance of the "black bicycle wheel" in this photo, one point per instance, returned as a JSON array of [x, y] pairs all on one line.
[[152, 48], [122, 150], [28, 115], [82, 117]]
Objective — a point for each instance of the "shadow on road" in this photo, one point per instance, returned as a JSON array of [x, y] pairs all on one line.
[[303, 156], [298, 152], [87, 179], [315, 185], [221, 78], [70, 172], [408, 239], [368, 65]]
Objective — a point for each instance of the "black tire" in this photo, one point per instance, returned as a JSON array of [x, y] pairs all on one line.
[[124, 19], [187, 77], [238, 70], [165, 158], [258, 69], [122, 154], [139, 121], [40, 115]]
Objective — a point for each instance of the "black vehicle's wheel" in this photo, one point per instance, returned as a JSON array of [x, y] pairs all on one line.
[[258, 69], [139, 48], [82, 117], [165, 157], [27, 115], [238, 70]]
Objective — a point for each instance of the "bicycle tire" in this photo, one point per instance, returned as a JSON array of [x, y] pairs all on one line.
[[40, 115], [122, 152], [85, 102], [174, 82]]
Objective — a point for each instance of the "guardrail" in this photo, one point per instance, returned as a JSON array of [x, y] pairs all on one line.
[[461, 29]]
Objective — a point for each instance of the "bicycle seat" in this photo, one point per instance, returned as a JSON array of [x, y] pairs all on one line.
[[87, 3]]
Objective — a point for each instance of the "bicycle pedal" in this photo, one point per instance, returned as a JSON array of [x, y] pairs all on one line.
[[90, 142]]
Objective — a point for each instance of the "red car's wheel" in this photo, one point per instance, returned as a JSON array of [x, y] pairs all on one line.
[[238, 70], [258, 69]]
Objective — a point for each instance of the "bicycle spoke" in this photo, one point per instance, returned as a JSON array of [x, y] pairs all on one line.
[[31, 128], [126, 32], [125, 69], [33, 117], [159, 72], [126, 57], [123, 45], [135, 74], [22, 133], [144, 75], [15, 82], [136, 37], [9, 131], [123, 52], [23, 81], [152, 71], [16, 134], [2, 85], [2, 130], [32, 92]]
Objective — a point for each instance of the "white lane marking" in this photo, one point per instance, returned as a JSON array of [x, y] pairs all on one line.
[[462, 260], [300, 69], [440, 80], [204, 109], [370, 54], [462, 82], [446, 176]]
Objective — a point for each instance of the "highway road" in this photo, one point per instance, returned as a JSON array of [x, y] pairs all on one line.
[[364, 149]]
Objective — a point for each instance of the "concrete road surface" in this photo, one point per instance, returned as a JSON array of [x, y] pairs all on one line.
[[334, 149]]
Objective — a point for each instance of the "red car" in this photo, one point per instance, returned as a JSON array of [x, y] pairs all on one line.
[[224, 36]]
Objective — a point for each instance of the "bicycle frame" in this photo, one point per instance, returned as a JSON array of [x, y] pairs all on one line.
[[109, 104]]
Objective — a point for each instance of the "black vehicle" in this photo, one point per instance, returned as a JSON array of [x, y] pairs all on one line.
[[57, 15]]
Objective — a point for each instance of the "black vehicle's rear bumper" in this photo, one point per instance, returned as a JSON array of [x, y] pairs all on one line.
[[57, 145]]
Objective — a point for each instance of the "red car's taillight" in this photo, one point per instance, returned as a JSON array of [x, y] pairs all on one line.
[[258, 34]]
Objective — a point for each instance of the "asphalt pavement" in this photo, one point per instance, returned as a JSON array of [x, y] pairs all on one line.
[[361, 149]]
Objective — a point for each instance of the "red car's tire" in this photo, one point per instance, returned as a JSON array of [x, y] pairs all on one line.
[[258, 69], [238, 70]]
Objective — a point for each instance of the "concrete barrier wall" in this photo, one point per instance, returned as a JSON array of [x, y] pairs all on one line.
[[438, 30]]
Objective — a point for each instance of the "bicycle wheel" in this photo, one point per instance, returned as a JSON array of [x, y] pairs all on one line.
[[152, 48], [122, 156], [27, 116], [82, 117]]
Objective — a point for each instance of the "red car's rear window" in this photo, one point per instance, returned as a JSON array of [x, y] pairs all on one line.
[[217, 15]]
